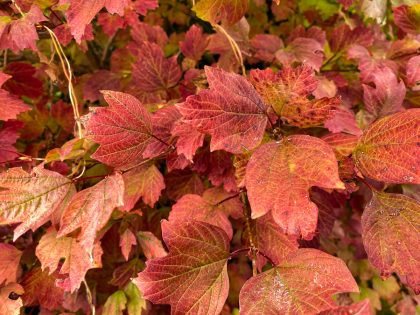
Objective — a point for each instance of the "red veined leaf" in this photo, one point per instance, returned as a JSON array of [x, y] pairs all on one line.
[[265, 46], [162, 121], [279, 175], [77, 261], [342, 37], [142, 32], [305, 50], [360, 308], [123, 130], [287, 92], [388, 95], [194, 44], [408, 18], [91, 208], [127, 240], [231, 111], [152, 246], [193, 277], [303, 284], [10, 306], [98, 81], [390, 229], [9, 263], [388, 150], [31, 199], [214, 11], [343, 144], [183, 182], [176, 162], [40, 289], [189, 139], [10, 106], [144, 181], [152, 71], [214, 207], [8, 136], [271, 241], [413, 73]]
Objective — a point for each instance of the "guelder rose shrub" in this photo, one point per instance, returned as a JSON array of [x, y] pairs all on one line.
[[209, 157]]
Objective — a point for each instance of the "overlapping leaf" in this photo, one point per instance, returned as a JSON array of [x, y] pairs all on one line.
[[231, 111], [11, 306], [152, 246], [279, 175], [214, 207], [390, 229], [123, 130], [77, 261], [91, 208], [10, 106], [145, 182], [388, 150], [303, 284], [9, 263], [192, 278], [214, 11], [31, 199]]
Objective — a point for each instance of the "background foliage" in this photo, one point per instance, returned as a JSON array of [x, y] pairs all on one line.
[[216, 156]]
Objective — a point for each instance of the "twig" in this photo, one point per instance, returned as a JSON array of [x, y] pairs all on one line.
[[235, 48], [89, 297]]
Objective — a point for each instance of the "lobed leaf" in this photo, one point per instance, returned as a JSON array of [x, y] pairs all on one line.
[[388, 150], [31, 199], [193, 277], [279, 175], [9, 263], [390, 229], [303, 284], [10, 106]]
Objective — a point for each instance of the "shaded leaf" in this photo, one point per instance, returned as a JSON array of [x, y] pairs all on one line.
[[8, 136], [152, 246], [91, 208], [115, 304], [77, 261], [193, 277], [388, 150], [9, 263], [135, 301], [10, 106], [31, 199], [123, 130], [303, 284], [145, 182], [183, 182], [195, 43], [279, 175], [214, 11], [390, 229], [230, 111]]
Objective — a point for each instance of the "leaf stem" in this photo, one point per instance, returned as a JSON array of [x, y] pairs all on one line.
[[89, 297], [228, 198]]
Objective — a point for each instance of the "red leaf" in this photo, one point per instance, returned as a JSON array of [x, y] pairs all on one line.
[[214, 11], [194, 44], [390, 236], [152, 71], [127, 240], [231, 111], [413, 73], [144, 182], [388, 95], [14, 105], [189, 139], [40, 289], [279, 175], [193, 276], [123, 130], [214, 207], [343, 121], [11, 306], [271, 241], [77, 261], [152, 246], [24, 81], [180, 183], [266, 46], [91, 208], [32, 198], [98, 81], [9, 263], [305, 50], [303, 284], [163, 121], [407, 18], [361, 308], [342, 144], [8, 136], [388, 150]]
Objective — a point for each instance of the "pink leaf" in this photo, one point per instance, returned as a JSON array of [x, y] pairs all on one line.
[[194, 44], [127, 240], [152, 246], [9, 263]]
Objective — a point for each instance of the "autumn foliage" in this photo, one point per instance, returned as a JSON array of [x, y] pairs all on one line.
[[209, 157]]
